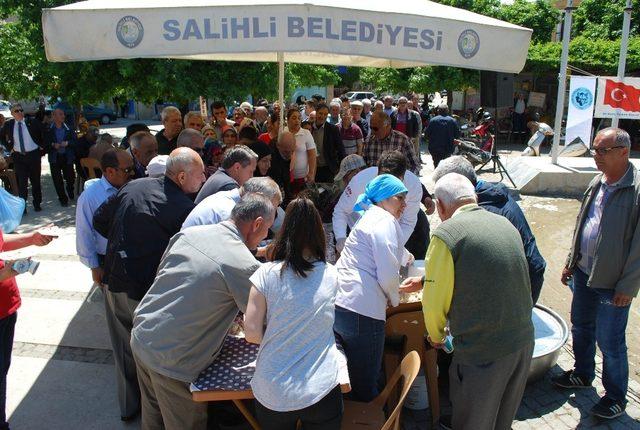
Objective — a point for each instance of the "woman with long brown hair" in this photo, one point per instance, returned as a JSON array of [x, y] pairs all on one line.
[[296, 374]]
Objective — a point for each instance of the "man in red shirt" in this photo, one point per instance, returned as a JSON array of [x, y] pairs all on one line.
[[9, 304]]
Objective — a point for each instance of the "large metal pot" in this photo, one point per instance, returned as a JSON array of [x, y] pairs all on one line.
[[551, 333]]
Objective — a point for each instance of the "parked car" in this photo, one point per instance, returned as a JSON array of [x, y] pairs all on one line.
[[5, 109], [359, 95], [103, 115]]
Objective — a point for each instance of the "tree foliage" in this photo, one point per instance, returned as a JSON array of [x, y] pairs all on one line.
[[25, 73]]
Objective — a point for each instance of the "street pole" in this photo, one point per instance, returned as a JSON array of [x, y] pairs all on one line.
[[562, 80], [624, 43], [281, 87]]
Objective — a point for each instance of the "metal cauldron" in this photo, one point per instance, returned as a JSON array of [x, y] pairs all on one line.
[[551, 333]]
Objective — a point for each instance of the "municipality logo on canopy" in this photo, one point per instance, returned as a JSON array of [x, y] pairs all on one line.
[[582, 98], [468, 43], [130, 31]]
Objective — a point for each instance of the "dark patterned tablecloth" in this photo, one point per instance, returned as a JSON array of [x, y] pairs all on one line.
[[232, 369]]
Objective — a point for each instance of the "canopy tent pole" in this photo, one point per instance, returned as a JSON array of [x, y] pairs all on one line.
[[281, 87], [562, 81], [624, 43]]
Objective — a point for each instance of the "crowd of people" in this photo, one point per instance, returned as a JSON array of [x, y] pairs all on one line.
[[203, 221]]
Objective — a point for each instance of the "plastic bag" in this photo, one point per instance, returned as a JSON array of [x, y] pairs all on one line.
[[11, 211]]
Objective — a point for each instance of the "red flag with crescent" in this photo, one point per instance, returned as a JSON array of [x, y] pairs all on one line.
[[622, 96]]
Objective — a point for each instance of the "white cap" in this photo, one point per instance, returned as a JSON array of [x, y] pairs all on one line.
[[157, 166], [246, 105]]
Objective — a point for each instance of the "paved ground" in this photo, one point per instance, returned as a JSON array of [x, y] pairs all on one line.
[[62, 374]]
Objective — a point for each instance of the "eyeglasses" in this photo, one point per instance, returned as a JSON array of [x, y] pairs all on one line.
[[127, 170], [604, 151], [18, 110]]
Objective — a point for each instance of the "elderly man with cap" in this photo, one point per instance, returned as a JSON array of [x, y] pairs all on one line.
[[180, 325], [138, 223], [350, 166], [393, 162], [472, 256], [157, 166]]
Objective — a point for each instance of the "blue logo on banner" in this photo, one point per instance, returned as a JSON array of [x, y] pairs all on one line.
[[581, 98], [130, 31], [468, 43]]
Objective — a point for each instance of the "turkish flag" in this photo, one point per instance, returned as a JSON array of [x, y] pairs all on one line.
[[621, 96]]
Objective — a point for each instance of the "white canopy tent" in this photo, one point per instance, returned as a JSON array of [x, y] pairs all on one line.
[[378, 33]]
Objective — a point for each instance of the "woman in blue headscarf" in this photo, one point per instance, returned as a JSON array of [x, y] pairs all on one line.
[[368, 280]]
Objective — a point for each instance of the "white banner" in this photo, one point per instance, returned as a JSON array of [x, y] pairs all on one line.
[[378, 33], [582, 90], [618, 98]]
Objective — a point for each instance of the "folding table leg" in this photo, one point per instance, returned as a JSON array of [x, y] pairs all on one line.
[[243, 409], [430, 365]]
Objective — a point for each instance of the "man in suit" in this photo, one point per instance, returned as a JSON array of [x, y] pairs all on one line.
[[138, 223], [328, 145], [23, 138], [60, 141]]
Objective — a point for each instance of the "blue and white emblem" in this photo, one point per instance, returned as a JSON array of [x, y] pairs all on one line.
[[130, 31], [468, 43], [581, 98]]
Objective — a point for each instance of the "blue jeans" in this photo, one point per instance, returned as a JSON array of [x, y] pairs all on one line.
[[363, 341], [596, 319]]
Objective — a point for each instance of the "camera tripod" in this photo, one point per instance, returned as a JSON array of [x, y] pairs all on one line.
[[498, 167]]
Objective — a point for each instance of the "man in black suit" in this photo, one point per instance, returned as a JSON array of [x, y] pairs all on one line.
[[60, 142], [328, 145], [23, 138]]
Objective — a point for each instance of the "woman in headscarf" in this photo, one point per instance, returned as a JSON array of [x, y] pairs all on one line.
[[264, 158], [368, 281]]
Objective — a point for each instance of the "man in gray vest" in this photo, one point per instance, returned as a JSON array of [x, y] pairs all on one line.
[[490, 324]]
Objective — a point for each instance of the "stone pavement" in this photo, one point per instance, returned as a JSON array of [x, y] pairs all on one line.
[[62, 374]]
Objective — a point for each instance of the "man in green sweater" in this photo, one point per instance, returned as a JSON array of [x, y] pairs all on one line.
[[477, 278]]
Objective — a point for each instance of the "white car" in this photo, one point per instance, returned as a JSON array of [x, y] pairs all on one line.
[[360, 95], [5, 109]]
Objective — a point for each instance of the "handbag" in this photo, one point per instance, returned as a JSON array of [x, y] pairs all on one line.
[[11, 211]]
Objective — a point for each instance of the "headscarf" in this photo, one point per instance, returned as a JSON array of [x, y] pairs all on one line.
[[379, 188]]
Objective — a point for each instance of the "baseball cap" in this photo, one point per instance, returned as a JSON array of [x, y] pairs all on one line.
[[246, 105], [157, 166], [357, 103], [349, 163]]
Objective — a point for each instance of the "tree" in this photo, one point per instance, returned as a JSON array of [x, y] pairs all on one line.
[[538, 16], [25, 72], [598, 19]]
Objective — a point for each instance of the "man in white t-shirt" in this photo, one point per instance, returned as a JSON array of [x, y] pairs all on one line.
[[395, 163]]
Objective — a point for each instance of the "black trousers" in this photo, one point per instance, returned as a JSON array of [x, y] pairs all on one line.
[[27, 167], [61, 170], [7, 327], [324, 415], [438, 156], [418, 242]]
